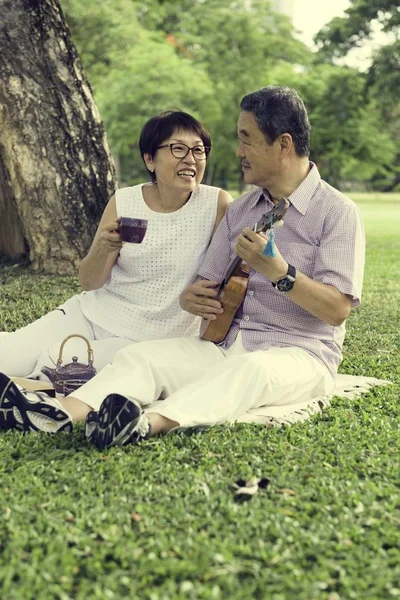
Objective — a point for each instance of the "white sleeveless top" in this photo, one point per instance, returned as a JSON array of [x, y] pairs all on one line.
[[140, 300]]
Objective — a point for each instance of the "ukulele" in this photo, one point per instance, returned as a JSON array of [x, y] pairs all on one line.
[[235, 283]]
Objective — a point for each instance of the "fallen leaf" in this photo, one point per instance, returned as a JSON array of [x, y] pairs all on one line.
[[347, 542], [287, 512], [205, 488], [247, 490], [286, 492], [250, 487], [70, 519]]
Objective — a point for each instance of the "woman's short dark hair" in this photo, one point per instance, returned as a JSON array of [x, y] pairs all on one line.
[[162, 126], [277, 110]]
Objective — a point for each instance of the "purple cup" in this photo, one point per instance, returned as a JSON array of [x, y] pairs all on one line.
[[132, 230]]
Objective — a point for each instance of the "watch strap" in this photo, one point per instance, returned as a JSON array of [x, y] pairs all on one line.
[[291, 272]]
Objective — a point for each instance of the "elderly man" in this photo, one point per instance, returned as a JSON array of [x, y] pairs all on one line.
[[283, 346]]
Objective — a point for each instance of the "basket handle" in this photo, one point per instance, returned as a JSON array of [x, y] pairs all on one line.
[[90, 350]]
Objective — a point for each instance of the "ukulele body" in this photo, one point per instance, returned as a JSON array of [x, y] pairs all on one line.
[[234, 292]]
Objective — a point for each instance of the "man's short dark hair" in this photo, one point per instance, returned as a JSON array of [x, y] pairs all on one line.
[[162, 126], [277, 110]]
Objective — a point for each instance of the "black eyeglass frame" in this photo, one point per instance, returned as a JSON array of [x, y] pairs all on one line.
[[207, 150]]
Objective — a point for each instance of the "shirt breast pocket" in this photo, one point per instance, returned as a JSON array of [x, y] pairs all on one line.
[[302, 256]]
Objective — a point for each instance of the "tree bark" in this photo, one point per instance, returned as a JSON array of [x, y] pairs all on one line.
[[12, 242], [56, 170]]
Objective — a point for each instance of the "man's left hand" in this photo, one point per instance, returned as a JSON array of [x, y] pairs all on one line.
[[250, 246]]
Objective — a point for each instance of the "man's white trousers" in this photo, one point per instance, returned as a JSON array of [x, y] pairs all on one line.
[[195, 383]]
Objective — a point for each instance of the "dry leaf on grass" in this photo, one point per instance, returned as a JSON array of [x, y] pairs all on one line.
[[286, 492], [249, 488]]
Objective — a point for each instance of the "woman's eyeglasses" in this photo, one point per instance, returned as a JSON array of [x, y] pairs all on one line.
[[182, 150]]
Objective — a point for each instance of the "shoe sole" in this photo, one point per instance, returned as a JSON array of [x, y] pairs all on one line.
[[11, 397], [117, 418], [91, 424]]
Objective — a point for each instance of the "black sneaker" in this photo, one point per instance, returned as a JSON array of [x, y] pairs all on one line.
[[119, 421], [91, 423], [30, 411]]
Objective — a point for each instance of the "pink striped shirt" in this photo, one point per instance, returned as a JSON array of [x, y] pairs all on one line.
[[323, 237]]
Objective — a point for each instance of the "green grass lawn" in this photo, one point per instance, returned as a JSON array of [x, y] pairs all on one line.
[[158, 521]]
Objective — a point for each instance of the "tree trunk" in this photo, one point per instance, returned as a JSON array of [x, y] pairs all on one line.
[[56, 170], [12, 242]]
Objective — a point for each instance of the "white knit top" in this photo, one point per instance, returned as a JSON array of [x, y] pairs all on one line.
[[140, 300]]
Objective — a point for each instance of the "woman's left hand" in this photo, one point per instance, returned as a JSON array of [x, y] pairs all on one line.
[[250, 246]]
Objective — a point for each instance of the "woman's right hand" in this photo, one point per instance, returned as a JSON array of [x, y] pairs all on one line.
[[95, 268], [200, 299], [109, 239]]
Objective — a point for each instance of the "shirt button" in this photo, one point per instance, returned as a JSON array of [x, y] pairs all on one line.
[[247, 318], [251, 293]]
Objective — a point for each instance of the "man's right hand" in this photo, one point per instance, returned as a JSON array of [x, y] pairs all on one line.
[[200, 299]]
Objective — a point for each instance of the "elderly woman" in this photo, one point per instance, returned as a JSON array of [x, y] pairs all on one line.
[[132, 289]]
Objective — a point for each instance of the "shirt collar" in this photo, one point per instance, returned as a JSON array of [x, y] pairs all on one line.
[[302, 195]]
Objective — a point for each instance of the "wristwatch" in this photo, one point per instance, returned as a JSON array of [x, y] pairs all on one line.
[[285, 284]]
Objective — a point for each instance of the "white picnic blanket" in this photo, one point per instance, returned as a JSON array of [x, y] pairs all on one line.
[[347, 386]]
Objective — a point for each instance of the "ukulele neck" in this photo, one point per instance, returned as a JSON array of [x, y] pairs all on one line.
[[238, 268]]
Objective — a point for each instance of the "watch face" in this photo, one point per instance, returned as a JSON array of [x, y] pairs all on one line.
[[285, 284]]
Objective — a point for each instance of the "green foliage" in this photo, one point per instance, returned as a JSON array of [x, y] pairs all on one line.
[[135, 74], [102, 32], [158, 521], [236, 46], [202, 56], [347, 140], [341, 34], [150, 78], [383, 81]]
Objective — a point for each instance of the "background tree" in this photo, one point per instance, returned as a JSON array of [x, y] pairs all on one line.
[[56, 173], [135, 73], [236, 44], [342, 34], [382, 84], [201, 56], [348, 140]]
